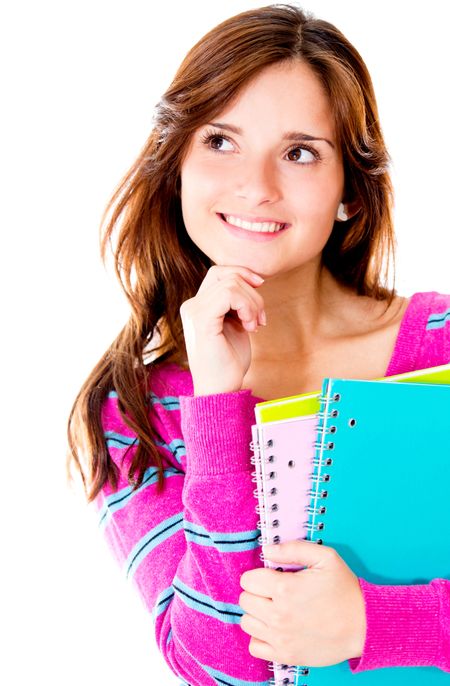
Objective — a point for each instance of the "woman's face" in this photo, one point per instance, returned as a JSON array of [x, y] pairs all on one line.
[[261, 184]]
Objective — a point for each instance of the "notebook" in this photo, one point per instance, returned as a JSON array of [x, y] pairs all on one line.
[[353, 476]]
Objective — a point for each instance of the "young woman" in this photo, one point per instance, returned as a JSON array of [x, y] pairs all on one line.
[[251, 237]]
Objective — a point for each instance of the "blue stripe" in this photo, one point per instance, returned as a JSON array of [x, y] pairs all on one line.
[[154, 537], [169, 402], [121, 498], [162, 601], [176, 447], [438, 321], [235, 542], [224, 612], [116, 440]]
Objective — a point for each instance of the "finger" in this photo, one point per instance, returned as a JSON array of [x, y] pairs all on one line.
[[230, 296], [236, 296], [258, 607], [248, 312], [262, 582], [218, 273], [204, 316], [233, 281], [261, 649], [306, 553], [254, 627]]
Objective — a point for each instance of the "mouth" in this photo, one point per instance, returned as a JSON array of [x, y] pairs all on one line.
[[254, 226]]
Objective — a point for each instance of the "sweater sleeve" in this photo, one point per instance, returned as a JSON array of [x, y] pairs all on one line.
[[186, 548], [407, 626], [435, 343]]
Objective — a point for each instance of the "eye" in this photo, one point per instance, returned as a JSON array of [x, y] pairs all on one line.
[[302, 155], [216, 141]]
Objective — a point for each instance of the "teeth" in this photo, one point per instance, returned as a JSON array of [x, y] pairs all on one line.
[[263, 227]]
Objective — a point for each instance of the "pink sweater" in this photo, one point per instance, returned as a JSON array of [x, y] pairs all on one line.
[[186, 549]]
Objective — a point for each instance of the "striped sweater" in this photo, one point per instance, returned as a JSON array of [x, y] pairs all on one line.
[[186, 548]]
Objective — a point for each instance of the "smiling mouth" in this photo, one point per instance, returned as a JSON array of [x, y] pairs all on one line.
[[256, 227]]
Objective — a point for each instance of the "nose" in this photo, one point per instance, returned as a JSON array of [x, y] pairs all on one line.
[[257, 181]]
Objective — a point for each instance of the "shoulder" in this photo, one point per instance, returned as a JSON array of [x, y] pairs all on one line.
[[166, 383], [427, 322], [436, 340], [430, 311], [437, 308], [168, 380]]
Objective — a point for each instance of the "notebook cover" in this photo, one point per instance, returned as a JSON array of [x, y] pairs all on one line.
[[387, 510]]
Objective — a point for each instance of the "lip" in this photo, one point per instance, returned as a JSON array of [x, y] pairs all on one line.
[[252, 235]]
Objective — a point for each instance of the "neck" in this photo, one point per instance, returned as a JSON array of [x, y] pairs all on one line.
[[302, 307]]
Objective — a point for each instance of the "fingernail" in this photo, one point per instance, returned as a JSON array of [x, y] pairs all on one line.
[[263, 318], [257, 278]]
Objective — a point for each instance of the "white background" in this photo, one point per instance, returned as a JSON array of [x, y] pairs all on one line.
[[80, 80]]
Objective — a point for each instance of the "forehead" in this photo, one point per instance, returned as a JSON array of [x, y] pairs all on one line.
[[288, 94]]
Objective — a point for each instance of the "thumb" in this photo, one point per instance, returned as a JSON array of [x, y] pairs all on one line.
[[306, 553]]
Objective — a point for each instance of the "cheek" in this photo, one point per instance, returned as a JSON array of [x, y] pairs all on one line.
[[200, 193], [325, 183], [190, 184], [202, 178], [197, 196], [317, 196]]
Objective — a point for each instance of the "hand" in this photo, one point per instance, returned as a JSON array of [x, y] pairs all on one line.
[[314, 617], [216, 323]]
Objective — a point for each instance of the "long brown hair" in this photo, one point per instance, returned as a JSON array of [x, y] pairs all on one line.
[[158, 265]]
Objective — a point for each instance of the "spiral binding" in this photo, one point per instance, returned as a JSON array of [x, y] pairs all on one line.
[[323, 446], [285, 675]]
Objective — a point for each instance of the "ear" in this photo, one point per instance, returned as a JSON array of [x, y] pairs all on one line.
[[352, 208]]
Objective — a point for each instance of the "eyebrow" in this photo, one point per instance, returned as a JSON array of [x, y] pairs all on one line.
[[288, 136]]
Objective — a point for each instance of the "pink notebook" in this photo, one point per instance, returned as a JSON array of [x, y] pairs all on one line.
[[284, 450], [283, 455]]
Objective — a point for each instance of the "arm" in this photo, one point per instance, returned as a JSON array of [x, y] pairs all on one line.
[[186, 548], [407, 626]]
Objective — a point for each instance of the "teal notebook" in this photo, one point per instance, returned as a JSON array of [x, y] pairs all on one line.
[[382, 460], [387, 498]]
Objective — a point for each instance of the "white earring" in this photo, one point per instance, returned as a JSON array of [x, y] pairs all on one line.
[[342, 215]]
